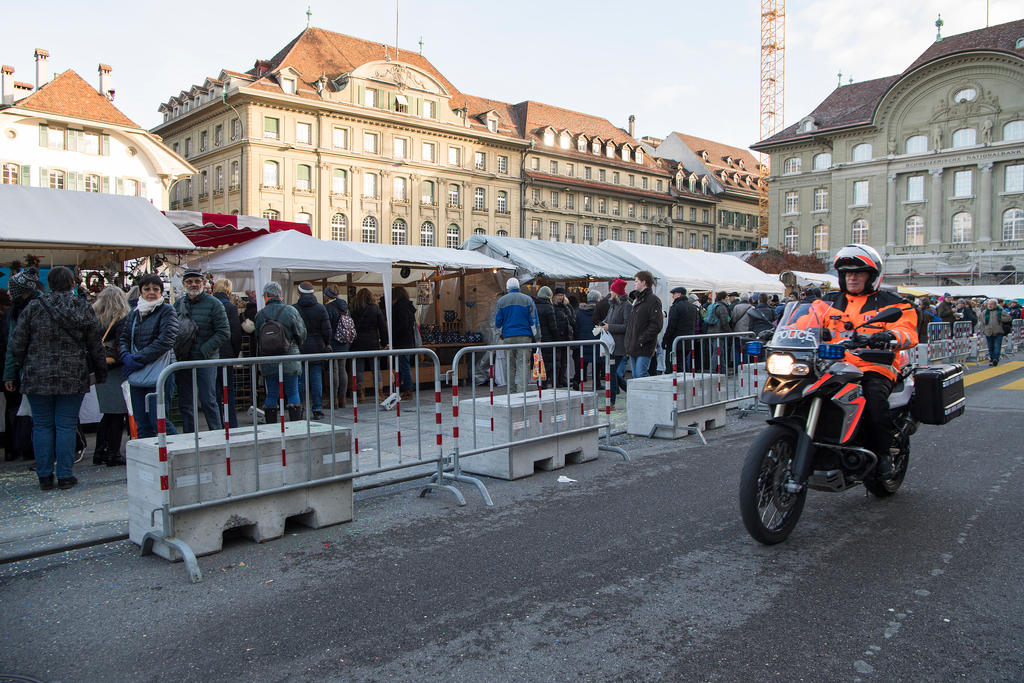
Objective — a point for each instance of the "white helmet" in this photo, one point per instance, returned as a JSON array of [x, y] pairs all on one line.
[[857, 257]]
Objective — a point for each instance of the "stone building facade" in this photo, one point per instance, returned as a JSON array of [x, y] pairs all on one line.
[[927, 165], [358, 140]]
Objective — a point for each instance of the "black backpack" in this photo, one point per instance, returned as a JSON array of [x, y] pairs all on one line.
[[272, 339]]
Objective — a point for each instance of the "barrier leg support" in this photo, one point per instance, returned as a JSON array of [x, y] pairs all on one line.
[[615, 449], [189, 557], [675, 427]]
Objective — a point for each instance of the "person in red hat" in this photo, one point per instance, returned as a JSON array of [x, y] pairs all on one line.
[[615, 323]]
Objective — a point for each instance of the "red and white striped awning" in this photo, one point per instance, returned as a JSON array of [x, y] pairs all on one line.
[[221, 229]]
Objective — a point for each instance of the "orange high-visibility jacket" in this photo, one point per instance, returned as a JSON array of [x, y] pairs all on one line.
[[855, 309]]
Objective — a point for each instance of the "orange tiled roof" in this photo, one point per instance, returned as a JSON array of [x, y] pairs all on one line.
[[508, 123], [317, 50], [718, 153], [69, 95]]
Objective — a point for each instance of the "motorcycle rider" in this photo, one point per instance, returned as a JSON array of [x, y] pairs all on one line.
[[860, 297]]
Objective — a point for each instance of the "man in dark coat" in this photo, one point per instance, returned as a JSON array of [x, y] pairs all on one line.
[[24, 287], [318, 340], [945, 310], [403, 336], [336, 307], [212, 323], [231, 347], [554, 326], [644, 325], [682, 321]]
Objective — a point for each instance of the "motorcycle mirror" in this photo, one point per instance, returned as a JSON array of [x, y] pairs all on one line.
[[889, 315]]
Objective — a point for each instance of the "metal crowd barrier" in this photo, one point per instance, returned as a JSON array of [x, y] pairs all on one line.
[[940, 342], [735, 375], [560, 375], [362, 465], [1016, 340]]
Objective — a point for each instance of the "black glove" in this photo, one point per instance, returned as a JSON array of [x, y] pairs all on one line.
[[881, 340]]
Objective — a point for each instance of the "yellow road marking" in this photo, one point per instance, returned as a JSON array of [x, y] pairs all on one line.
[[1014, 386], [983, 375]]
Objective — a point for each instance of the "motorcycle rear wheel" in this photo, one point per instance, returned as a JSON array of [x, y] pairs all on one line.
[[769, 512]]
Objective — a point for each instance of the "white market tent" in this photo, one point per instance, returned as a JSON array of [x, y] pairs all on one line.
[[420, 259], [552, 261], [290, 257], [82, 228], [693, 269], [988, 291]]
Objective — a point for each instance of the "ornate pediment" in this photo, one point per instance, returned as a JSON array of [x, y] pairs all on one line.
[[951, 109], [402, 76]]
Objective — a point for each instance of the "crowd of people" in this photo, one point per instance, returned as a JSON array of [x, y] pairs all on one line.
[[56, 344], [990, 318]]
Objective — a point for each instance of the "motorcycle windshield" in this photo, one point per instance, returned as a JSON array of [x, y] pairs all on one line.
[[801, 325]]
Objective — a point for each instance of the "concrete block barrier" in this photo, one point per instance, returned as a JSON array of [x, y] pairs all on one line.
[[653, 404], [256, 464]]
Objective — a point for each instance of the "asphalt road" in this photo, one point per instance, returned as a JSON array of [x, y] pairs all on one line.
[[636, 571]]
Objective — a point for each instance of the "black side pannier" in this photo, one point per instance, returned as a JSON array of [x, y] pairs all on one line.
[[938, 394]]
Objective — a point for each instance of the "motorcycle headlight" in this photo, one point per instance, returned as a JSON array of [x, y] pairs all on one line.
[[784, 364]]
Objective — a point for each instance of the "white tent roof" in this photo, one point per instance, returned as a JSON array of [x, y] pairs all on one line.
[[991, 291], [695, 269], [803, 279], [65, 223], [427, 258], [535, 259], [289, 257]]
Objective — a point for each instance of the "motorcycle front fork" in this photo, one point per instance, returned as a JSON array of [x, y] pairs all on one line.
[[802, 459]]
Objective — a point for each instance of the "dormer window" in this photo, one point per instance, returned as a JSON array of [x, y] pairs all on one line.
[[549, 137], [492, 125], [639, 155], [596, 147], [625, 153], [581, 144], [807, 125], [693, 184], [563, 140], [288, 85], [704, 155], [609, 150]]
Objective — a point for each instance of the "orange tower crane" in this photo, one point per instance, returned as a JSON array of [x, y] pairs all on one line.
[[773, 81]]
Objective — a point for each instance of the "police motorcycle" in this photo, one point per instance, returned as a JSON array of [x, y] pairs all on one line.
[[813, 439]]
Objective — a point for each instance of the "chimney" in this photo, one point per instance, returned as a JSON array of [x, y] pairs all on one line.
[[42, 67], [105, 89], [632, 125], [7, 82]]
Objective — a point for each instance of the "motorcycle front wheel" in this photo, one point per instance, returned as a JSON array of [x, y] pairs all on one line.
[[769, 511]]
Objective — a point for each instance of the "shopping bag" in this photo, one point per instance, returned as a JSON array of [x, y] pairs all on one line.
[[539, 372]]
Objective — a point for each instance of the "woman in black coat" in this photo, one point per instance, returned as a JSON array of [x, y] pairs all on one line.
[[111, 308], [318, 340], [403, 336], [371, 335], [231, 347]]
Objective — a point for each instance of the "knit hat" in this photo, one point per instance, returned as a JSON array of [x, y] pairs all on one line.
[[544, 292], [305, 287], [512, 283], [23, 282], [559, 290], [330, 293], [618, 286], [593, 296], [272, 289]]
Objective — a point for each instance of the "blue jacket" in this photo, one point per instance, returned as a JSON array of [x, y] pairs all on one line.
[[516, 316]]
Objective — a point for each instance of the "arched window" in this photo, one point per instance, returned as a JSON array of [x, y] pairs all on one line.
[[860, 232], [427, 234], [303, 217], [915, 231], [502, 233], [822, 161], [861, 152], [1013, 130], [370, 229], [965, 137], [501, 202], [820, 238], [479, 231], [339, 227], [917, 144], [791, 165], [693, 183], [271, 214], [454, 196], [790, 239], [962, 227], [1013, 224], [303, 178], [271, 174], [398, 232], [453, 237]]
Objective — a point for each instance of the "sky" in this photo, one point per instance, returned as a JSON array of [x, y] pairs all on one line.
[[685, 66]]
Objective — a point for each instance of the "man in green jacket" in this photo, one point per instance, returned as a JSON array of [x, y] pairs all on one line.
[[212, 330]]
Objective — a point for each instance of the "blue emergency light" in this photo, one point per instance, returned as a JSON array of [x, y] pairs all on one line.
[[831, 351], [754, 348]]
